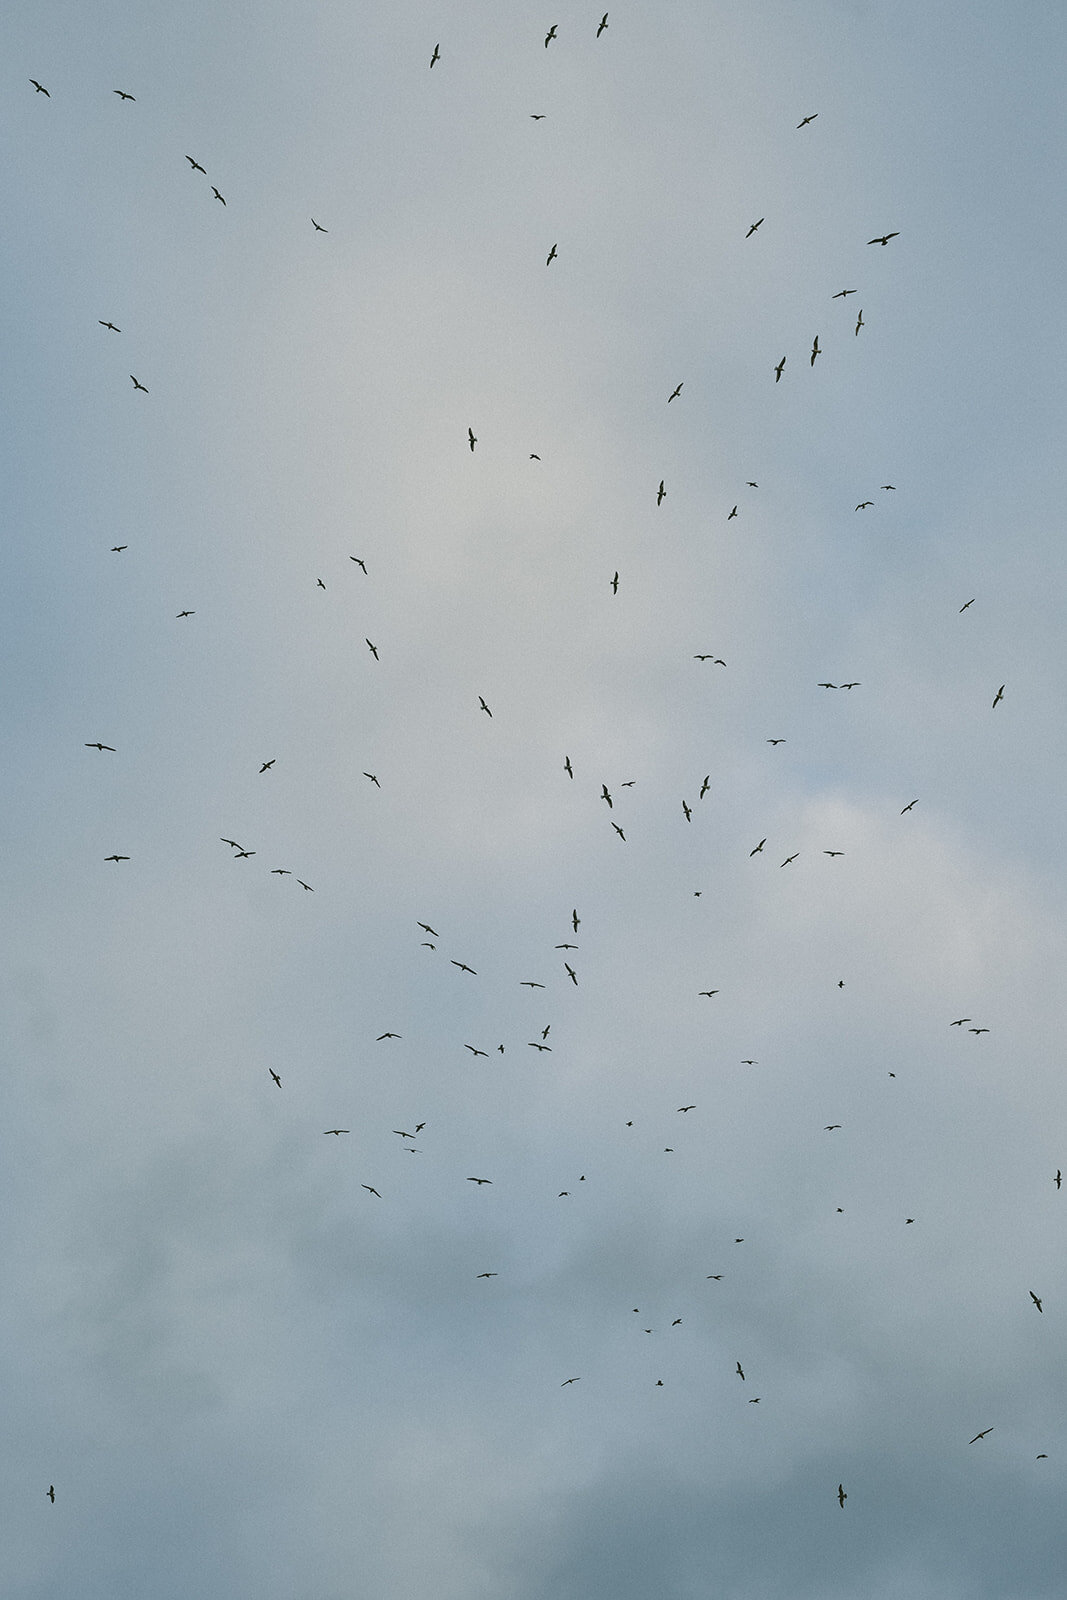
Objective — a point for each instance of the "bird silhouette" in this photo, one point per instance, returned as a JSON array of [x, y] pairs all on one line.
[[551, 256], [815, 351], [436, 54], [116, 858], [373, 648], [484, 707], [1036, 1301], [675, 395], [859, 322], [318, 226], [758, 848], [370, 1189], [550, 35], [807, 119], [268, 764], [909, 805], [196, 166], [842, 294], [123, 95], [754, 226], [778, 369], [109, 325], [998, 697], [275, 1076], [479, 1180], [215, 192], [138, 385], [603, 25], [99, 746], [40, 88], [358, 562], [51, 1486], [967, 603], [884, 238], [337, 1131], [841, 1496], [981, 1435]]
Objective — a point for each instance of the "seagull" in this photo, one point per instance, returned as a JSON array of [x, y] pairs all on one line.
[[337, 1130], [603, 25], [123, 95], [372, 648], [575, 920], [196, 166], [604, 795], [864, 504], [788, 859], [268, 764], [550, 35], [841, 1496], [306, 886], [775, 741], [215, 192], [275, 1076], [537, 116], [99, 746], [373, 779], [475, 1052], [1036, 1301], [116, 549], [109, 325], [959, 1022], [753, 228], [484, 707], [382, 1036], [999, 696], [842, 294], [686, 1108], [137, 385], [320, 583], [358, 562], [619, 831], [1058, 1179], [859, 322], [884, 238], [833, 852], [436, 54], [280, 872], [370, 1189], [116, 858], [425, 926], [714, 1277], [488, 1274], [572, 975], [967, 603], [318, 226], [533, 1044], [661, 493], [740, 1374], [977, 1030], [51, 1486], [826, 685], [243, 855], [675, 395], [981, 1435], [568, 769], [758, 848], [705, 786], [815, 351], [811, 118], [479, 1180], [732, 515], [41, 90], [778, 369], [830, 1126], [910, 803], [688, 813], [855, 684], [473, 439], [551, 256], [615, 584], [463, 967], [706, 994], [529, 983], [888, 486], [565, 1382]]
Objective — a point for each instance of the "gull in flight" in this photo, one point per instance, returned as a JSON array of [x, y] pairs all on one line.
[[436, 54], [661, 493], [318, 226], [981, 1435], [884, 238], [550, 35], [551, 256], [1036, 1301], [603, 25], [815, 351], [196, 166], [41, 90], [675, 395], [841, 1496], [753, 228], [109, 325], [999, 696], [778, 369], [99, 746], [137, 385], [808, 119]]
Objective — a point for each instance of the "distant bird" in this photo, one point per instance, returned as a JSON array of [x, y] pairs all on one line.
[[268, 764], [551, 256], [358, 562], [887, 486], [373, 778], [572, 975], [688, 813], [604, 795], [778, 369], [615, 584], [231, 842], [123, 95], [830, 1126], [215, 192], [537, 116], [864, 504], [788, 859], [568, 769], [306, 886], [280, 872], [705, 786], [382, 1036], [138, 385], [484, 707], [855, 684], [472, 437], [733, 514], [841, 1496], [842, 294], [706, 994], [530, 983], [337, 1130], [619, 831], [320, 583], [196, 166], [425, 926], [109, 325], [815, 351], [758, 848], [833, 852], [775, 741], [909, 805], [808, 119], [675, 395], [463, 967], [686, 1108], [318, 226], [859, 322], [116, 549], [1036, 1301], [534, 1045], [998, 697], [51, 1486], [373, 648], [967, 603], [99, 746], [550, 35], [884, 238], [661, 493], [479, 1180], [1058, 1179], [740, 1374], [436, 54], [575, 920], [275, 1076], [603, 25], [243, 855], [959, 1022], [565, 1382], [41, 90], [370, 1189], [714, 1277], [981, 1435], [116, 858], [488, 1274], [475, 1052]]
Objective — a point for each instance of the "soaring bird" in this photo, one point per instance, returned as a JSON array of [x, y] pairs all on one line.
[[740, 1374], [1058, 1179], [109, 325], [116, 858], [123, 95], [603, 25], [958, 1023], [1036, 1301], [619, 831], [688, 813], [686, 1108], [275, 1076], [436, 54], [864, 504], [382, 1036], [550, 35], [842, 294], [884, 238], [137, 385], [999, 696], [218, 196], [815, 351], [425, 926], [373, 648], [758, 848], [568, 769], [51, 1486], [909, 805], [41, 90], [661, 493], [576, 920], [841, 1496], [859, 322], [243, 855], [551, 256], [705, 786], [472, 438], [788, 859], [463, 967], [753, 228], [675, 395], [484, 707], [318, 226], [775, 741], [358, 562], [967, 603], [615, 584], [475, 1052], [778, 369], [373, 778], [530, 983], [370, 1189], [337, 1130], [604, 795], [811, 118], [981, 1435], [572, 975], [306, 886], [196, 166], [565, 1382], [488, 1274], [268, 764], [280, 872], [99, 746], [732, 515], [479, 1180], [833, 852], [116, 549]]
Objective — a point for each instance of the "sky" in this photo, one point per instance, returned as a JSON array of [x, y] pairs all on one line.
[[492, 801]]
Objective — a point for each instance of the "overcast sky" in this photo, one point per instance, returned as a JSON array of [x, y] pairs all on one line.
[[260, 1362]]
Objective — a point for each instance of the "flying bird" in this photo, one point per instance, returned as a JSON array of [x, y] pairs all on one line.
[[705, 786], [1036, 1301], [472, 437], [382, 1036], [306, 886], [884, 238], [116, 549], [370, 1189], [842, 294], [575, 920], [373, 778], [123, 95], [565, 1382], [686, 1108], [137, 385], [425, 926], [706, 994], [615, 584], [268, 764], [463, 967], [833, 852], [967, 603], [475, 1052], [109, 325], [859, 322], [51, 1486], [788, 859], [280, 872], [604, 795], [998, 696], [909, 805], [775, 741], [688, 813], [41, 90], [488, 1274], [603, 25], [959, 1022], [675, 395], [619, 831], [99, 746], [981, 1435], [337, 1130], [753, 228], [436, 54], [841, 1496], [572, 975], [479, 1180], [275, 1076], [550, 35], [116, 858], [733, 514], [808, 119], [864, 504], [661, 493], [196, 166], [215, 192], [529, 983], [484, 707], [758, 848], [358, 562], [568, 769], [815, 351], [740, 1374], [1058, 1179], [551, 256], [373, 648], [778, 369], [318, 226]]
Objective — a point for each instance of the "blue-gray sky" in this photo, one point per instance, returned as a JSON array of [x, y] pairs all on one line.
[[245, 1373]]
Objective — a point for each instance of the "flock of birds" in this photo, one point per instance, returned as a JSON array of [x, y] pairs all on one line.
[[568, 971]]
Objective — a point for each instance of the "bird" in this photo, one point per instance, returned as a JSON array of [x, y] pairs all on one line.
[[425, 926], [138, 385], [529, 983], [1058, 1179], [864, 504], [733, 514], [475, 1052], [182, 614], [373, 648], [534, 1045], [740, 1373], [967, 603], [473, 438], [909, 805], [537, 116], [306, 886], [842, 294], [753, 228], [833, 852], [99, 746], [603, 25], [830, 1126], [370, 1189], [123, 95], [243, 854], [841, 1496], [661, 493], [436, 54], [337, 1131], [675, 395], [373, 778], [1036, 1301], [403, 1134], [463, 967], [998, 697], [686, 1108], [572, 975], [688, 813], [268, 764], [109, 325], [116, 858], [888, 486], [619, 831], [40, 88], [788, 859], [318, 226], [714, 1277], [484, 707], [565, 1382], [196, 166], [382, 1036], [51, 1486], [826, 686], [550, 35], [815, 351], [604, 795], [615, 584], [358, 562], [705, 786], [275, 1076], [778, 370], [706, 994], [884, 238], [479, 1180], [116, 549], [775, 741], [215, 192], [807, 119], [568, 769], [576, 920], [758, 848], [280, 872], [551, 256], [981, 1435], [488, 1274], [232, 842], [959, 1022], [859, 322], [855, 684]]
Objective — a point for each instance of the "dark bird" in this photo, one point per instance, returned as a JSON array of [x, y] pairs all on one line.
[[572, 975], [41, 90], [534, 1045], [268, 764], [740, 1374], [981, 1435], [534, 457], [137, 385], [109, 325], [473, 438], [1058, 1179], [688, 813], [603, 25], [565, 1382], [959, 1022], [475, 1052], [51, 1486], [859, 323], [529, 983], [550, 35], [733, 514], [619, 831], [855, 684], [436, 54], [370, 1189], [909, 805], [841, 1496], [842, 294], [99, 746], [575, 921], [604, 795], [123, 95], [358, 562], [714, 1277], [888, 486], [1036, 1301], [373, 648], [215, 192], [425, 926], [833, 852], [196, 166], [318, 226], [403, 1134], [706, 994], [778, 369], [758, 848], [864, 504], [705, 786], [998, 697], [675, 395], [463, 967], [116, 858], [967, 603], [320, 583], [537, 116], [337, 1130], [551, 256], [373, 778], [884, 238], [231, 842], [977, 1030], [686, 1108], [830, 1126], [275, 1076], [753, 228], [804, 124], [776, 741], [479, 1180], [815, 351], [615, 584], [488, 1274], [306, 886], [661, 493], [788, 859], [382, 1036], [568, 769], [243, 855], [280, 872], [484, 707], [116, 549]]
